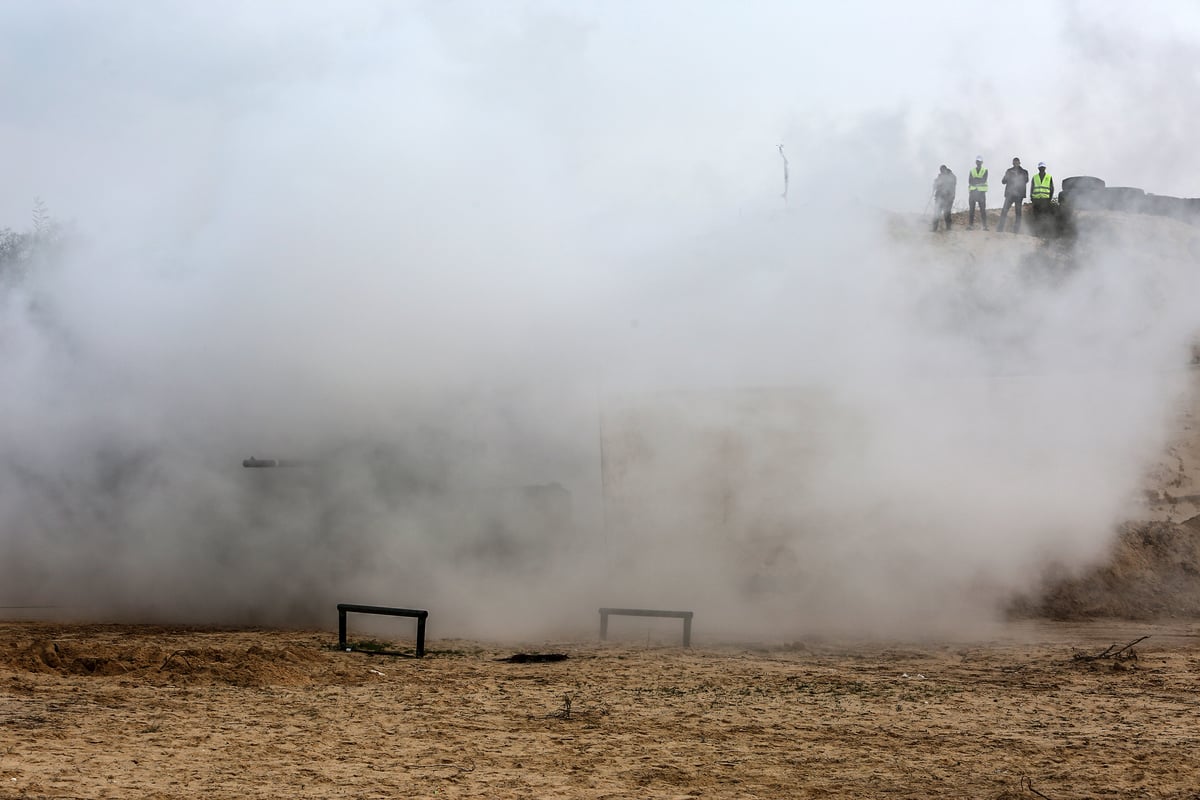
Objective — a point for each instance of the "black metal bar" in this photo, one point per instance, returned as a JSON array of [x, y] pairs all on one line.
[[420, 614], [646, 612], [686, 616], [259, 463], [267, 463]]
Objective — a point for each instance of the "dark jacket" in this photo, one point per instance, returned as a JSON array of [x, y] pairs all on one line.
[[1016, 181], [945, 185]]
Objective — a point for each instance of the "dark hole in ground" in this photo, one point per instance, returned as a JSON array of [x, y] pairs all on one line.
[[534, 658]]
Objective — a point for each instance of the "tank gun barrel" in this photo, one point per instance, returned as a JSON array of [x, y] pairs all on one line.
[[265, 463]]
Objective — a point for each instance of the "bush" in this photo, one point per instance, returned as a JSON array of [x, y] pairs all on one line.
[[22, 251]]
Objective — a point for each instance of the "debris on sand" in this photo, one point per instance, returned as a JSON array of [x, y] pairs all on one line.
[[534, 658], [1125, 653]]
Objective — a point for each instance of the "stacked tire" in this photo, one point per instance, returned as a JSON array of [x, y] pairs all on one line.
[[1164, 206], [1125, 198], [1082, 192], [1192, 210]]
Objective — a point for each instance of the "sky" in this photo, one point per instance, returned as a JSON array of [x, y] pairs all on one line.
[[434, 248], [106, 100]]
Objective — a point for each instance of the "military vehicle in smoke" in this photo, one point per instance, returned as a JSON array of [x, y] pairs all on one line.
[[362, 501]]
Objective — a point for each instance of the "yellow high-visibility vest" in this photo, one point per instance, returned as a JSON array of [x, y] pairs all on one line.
[[1041, 186], [980, 175]]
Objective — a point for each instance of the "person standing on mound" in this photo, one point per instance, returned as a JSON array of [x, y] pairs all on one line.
[[977, 193], [944, 187], [1015, 180]]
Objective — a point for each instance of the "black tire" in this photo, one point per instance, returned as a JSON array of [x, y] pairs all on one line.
[[1082, 183], [1165, 206], [1124, 198], [1082, 200], [1191, 209]]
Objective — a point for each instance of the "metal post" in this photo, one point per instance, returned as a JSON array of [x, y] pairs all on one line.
[[686, 616], [420, 614]]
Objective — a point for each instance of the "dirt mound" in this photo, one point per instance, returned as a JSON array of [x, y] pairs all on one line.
[[226, 662], [1154, 571], [254, 666]]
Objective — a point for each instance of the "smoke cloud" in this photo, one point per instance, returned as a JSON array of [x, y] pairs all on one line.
[[516, 289]]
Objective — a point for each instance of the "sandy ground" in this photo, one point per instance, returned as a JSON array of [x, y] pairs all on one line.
[[139, 711]]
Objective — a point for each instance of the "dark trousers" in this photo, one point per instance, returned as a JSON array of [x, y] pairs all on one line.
[[977, 199], [943, 206], [1042, 223], [1017, 203]]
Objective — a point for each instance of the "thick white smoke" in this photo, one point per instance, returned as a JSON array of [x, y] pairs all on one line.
[[518, 287]]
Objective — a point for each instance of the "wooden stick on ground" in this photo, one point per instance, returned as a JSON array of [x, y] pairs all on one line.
[[1027, 784], [1108, 652]]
